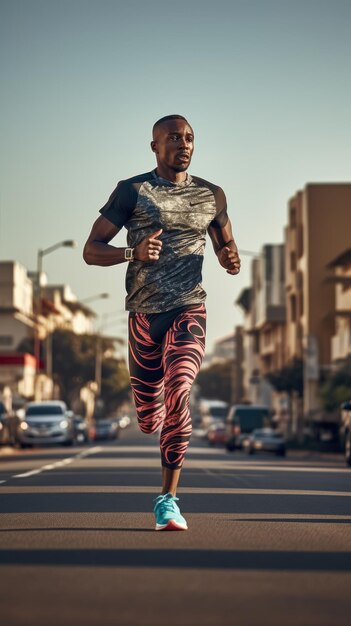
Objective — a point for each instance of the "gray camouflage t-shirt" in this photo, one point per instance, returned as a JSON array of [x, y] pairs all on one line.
[[146, 203]]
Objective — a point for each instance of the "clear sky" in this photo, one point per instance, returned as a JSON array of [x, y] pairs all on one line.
[[264, 83]]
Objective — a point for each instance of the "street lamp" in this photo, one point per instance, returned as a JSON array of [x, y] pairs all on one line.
[[99, 352], [67, 243], [98, 296], [249, 253]]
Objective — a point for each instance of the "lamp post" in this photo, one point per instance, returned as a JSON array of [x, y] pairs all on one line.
[[67, 243], [99, 351], [98, 296]]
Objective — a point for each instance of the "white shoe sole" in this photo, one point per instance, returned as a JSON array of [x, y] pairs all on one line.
[[171, 525]]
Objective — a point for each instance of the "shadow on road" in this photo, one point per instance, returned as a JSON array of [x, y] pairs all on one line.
[[139, 502], [188, 559]]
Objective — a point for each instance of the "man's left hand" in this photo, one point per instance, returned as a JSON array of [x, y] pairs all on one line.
[[229, 259]]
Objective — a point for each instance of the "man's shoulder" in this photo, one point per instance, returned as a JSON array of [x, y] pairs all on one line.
[[201, 182], [139, 178]]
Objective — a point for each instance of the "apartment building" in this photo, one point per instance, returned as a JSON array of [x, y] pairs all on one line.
[[250, 352], [68, 312], [17, 319], [341, 280], [21, 318], [318, 231], [264, 326]]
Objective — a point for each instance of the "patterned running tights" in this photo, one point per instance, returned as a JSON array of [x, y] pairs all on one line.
[[165, 354]]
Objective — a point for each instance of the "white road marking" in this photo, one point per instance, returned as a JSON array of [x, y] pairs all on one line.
[[46, 468], [26, 474]]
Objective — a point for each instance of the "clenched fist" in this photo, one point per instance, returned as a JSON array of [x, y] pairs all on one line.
[[229, 259], [149, 249]]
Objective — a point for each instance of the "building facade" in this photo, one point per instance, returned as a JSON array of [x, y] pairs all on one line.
[[30, 313], [318, 231], [341, 279], [264, 326]]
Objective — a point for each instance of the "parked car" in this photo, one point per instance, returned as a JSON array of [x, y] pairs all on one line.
[[106, 429], [216, 433], [46, 422], [82, 432], [345, 431], [212, 411], [124, 421], [5, 434], [243, 419], [265, 440]]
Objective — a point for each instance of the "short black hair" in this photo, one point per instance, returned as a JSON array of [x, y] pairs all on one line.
[[168, 117]]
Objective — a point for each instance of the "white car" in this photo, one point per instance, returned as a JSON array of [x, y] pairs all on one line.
[[46, 422]]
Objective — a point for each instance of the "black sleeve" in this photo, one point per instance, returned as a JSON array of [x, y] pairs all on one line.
[[120, 205], [221, 217]]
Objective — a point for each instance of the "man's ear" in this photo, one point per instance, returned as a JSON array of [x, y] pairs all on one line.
[[153, 145]]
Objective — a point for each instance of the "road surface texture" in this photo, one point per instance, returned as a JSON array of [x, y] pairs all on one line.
[[269, 539]]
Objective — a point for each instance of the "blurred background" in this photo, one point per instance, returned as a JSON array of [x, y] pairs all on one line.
[[265, 86]]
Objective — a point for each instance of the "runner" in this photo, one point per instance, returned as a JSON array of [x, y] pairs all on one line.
[[167, 214]]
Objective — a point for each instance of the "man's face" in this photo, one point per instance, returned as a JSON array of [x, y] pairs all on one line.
[[173, 144]]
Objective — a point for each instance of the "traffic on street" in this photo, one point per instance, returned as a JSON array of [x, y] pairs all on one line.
[[269, 538]]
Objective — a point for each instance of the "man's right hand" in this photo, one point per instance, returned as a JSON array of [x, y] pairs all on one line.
[[149, 249]]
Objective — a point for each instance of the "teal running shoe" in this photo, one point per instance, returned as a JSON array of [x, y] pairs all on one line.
[[167, 513]]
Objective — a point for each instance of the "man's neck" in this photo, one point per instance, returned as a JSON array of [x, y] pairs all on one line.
[[171, 175]]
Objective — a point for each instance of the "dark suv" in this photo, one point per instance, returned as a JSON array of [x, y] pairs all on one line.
[[242, 420]]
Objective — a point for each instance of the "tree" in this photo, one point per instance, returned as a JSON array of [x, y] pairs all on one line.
[[74, 366], [215, 381], [289, 378], [338, 388]]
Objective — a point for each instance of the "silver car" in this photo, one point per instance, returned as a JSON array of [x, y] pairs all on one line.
[[46, 422], [265, 440]]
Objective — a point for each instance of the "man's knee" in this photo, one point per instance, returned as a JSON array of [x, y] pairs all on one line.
[[151, 421]]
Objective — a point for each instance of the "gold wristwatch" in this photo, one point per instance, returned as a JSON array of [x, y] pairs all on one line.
[[129, 254]]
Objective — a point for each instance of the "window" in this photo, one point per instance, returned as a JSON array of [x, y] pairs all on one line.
[[293, 308], [293, 261], [300, 241], [301, 302], [6, 341], [292, 217]]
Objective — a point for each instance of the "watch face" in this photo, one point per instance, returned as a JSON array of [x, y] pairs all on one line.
[[129, 254]]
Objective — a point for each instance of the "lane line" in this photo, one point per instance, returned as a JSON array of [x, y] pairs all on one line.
[[46, 468]]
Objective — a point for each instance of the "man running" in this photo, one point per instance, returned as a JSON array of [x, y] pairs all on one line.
[[166, 213]]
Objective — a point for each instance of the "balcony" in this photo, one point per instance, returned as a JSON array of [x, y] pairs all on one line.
[[274, 314], [340, 347]]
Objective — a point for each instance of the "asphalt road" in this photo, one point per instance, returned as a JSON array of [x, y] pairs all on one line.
[[269, 540]]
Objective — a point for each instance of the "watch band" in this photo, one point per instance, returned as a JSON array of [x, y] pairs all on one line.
[[129, 254]]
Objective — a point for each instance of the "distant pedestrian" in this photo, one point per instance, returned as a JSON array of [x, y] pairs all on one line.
[[166, 213]]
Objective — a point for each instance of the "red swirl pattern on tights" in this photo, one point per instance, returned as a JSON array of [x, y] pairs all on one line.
[[162, 375]]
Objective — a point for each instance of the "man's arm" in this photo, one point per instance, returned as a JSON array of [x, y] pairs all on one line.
[[225, 247], [98, 251]]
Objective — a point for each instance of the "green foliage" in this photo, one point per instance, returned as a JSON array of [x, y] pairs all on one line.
[[215, 382], [289, 378], [74, 358], [115, 387], [337, 389]]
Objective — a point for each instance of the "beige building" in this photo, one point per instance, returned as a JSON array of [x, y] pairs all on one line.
[[341, 279], [21, 318], [264, 327], [318, 231], [17, 320]]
